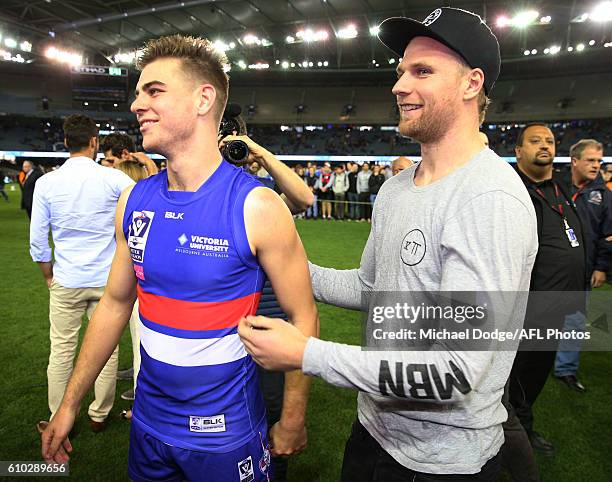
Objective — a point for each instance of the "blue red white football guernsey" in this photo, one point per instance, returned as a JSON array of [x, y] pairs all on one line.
[[197, 388]]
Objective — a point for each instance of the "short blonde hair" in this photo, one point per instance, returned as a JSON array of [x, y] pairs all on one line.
[[200, 59]]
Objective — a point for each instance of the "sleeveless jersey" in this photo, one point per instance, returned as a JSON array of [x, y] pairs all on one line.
[[197, 388]]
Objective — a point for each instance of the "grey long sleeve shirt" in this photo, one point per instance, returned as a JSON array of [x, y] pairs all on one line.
[[473, 230]]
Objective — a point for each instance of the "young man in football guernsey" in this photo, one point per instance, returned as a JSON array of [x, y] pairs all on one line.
[[193, 244], [460, 220]]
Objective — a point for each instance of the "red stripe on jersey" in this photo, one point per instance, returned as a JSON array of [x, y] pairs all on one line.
[[196, 315]]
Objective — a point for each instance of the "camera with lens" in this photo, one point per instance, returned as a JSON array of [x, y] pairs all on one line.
[[232, 123]]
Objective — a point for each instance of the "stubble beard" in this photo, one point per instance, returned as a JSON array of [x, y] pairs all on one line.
[[428, 128]]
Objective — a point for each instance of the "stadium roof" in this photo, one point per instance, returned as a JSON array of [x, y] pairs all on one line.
[[332, 36]]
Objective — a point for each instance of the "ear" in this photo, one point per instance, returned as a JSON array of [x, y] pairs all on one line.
[[474, 82], [517, 152], [207, 96], [125, 155], [92, 142]]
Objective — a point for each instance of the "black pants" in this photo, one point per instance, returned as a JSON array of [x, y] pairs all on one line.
[[365, 210], [366, 461], [272, 385], [527, 379], [516, 454]]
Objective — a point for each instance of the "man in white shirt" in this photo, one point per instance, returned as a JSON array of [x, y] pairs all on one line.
[[77, 201]]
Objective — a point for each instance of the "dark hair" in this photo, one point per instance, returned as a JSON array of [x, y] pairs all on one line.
[[116, 142], [199, 58], [78, 130], [521, 136]]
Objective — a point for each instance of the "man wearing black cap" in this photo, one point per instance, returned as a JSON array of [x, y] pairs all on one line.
[[435, 414]]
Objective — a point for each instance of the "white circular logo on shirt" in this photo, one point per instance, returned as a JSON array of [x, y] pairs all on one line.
[[413, 247], [432, 17]]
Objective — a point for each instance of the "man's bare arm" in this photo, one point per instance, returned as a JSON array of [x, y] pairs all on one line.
[[275, 242], [103, 333]]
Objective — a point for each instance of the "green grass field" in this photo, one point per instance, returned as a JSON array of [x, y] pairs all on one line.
[[579, 425]]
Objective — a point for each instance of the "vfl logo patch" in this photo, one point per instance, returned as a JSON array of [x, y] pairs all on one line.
[[216, 423], [245, 470], [138, 233], [432, 17], [413, 247]]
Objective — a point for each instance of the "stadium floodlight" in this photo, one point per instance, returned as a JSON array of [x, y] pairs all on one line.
[[124, 57], [555, 49], [502, 21], [25, 46], [524, 18], [546, 20], [285, 64], [305, 64], [250, 39], [591, 42], [526, 52], [534, 51], [580, 47], [309, 35], [350, 31], [292, 64], [221, 46], [310, 64], [602, 12], [373, 61], [63, 56], [10, 43], [391, 60], [259, 66], [289, 39], [242, 64], [570, 49], [374, 30], [325, 63], [546, 50], [319, 64]]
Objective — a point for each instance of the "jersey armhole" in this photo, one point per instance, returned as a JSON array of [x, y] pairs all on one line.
[[238, 227]]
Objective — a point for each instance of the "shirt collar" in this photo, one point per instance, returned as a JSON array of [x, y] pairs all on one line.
[[79, 160]]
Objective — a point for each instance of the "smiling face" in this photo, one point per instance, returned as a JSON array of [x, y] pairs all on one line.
[[166, 105], [428, 89]]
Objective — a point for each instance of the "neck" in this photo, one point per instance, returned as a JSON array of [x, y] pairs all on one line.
[[193, 163], [536, 173], [87, 153], [459, 144], [578, 181]]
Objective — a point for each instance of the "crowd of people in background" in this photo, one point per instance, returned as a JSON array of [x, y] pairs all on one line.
[[345, 191]]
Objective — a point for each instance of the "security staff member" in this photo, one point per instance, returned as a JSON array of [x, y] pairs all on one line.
[[594, 205], [559, 267]]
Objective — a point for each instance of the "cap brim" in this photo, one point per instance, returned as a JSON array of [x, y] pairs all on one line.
[[397, 32]]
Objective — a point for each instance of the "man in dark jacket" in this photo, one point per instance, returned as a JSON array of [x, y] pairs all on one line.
[[559, 270], [594, 205], [32, 173]]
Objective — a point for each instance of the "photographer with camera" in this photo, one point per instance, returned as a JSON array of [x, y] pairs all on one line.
[[239, 149]]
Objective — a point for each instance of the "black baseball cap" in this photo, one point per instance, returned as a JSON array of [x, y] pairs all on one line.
[[462, 31]]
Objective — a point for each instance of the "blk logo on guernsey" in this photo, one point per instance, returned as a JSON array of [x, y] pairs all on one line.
[[139, 233]]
